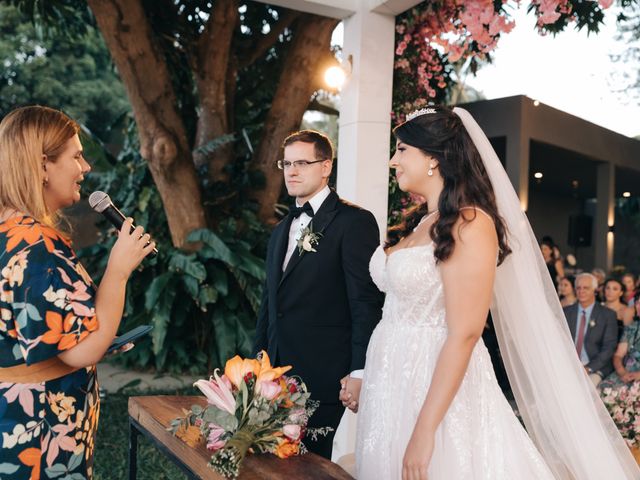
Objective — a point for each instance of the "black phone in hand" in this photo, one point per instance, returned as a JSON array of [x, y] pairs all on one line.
[[131, 336]]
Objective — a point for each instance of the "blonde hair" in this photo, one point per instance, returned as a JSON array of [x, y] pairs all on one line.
[[26, 135]]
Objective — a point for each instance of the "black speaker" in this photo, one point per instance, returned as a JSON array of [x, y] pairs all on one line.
[[579, 231]]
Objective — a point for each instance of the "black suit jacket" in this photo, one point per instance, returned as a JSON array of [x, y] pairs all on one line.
[[601, 339], [319, 314]]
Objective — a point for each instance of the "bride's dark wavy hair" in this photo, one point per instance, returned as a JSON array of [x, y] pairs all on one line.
[[443, 136]]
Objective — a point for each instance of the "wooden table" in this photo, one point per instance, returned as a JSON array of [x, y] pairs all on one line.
[[151, 415]]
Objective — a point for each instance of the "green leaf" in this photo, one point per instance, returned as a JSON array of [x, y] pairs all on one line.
[[8, 468], [253, 265], [221, 418], [33, 312], [162, 317], [56, 470], [22, 318], [76, 460], [192, 286], [220, 250], [207, 295], [214, 144], [253, 296], [220, 280], [130, 384], [143, 198], [155, 290], [189, 265], [225, 333]]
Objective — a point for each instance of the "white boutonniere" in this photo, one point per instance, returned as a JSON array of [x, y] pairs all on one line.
[[592, 323], [308, 239]]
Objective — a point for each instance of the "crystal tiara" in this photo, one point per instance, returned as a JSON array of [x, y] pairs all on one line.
[[417, 113]]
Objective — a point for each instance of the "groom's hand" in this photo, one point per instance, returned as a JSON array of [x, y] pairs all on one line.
[[350, 392]]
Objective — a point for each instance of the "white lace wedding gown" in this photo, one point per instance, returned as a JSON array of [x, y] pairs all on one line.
[[479, 437]]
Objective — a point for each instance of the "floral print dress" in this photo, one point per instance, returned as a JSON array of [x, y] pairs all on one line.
[[47, 306], [630, 336]]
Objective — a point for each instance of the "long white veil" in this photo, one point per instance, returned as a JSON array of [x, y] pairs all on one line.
[[560, 406]]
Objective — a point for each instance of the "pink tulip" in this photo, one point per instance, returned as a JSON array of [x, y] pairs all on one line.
[[218, 392], [268, 389], [214, 441], [292, 432]]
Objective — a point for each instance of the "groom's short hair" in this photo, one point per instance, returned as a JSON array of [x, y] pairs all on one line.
[[322, 145]]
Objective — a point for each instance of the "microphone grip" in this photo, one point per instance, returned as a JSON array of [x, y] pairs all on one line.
[[116, 218]]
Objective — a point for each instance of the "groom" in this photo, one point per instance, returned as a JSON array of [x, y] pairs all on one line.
[[319, 305]]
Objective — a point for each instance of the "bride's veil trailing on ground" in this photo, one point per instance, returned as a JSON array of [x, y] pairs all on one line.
[[559, 405]]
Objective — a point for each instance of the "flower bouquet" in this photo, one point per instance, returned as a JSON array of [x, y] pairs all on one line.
[[623, 405], [251, 407]]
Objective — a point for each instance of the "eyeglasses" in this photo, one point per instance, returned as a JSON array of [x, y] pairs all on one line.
[[299, 164]]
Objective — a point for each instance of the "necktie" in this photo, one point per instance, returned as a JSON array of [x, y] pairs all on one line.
[[580, 341], [295, 212]]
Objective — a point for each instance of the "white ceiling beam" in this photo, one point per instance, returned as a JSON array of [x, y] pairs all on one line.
[[392, 7], [345, 8], [340, 9]]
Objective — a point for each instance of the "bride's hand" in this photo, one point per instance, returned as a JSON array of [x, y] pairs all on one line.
[[350, 393], [417, 456]]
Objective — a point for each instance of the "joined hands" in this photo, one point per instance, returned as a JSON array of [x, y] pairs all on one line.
[[350, 392]]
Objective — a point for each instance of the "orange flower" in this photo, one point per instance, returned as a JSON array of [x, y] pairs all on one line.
[[27, 229], [60, 331], [268, 373], [31, 458], [286, 449], [236, 368], [190, 435]]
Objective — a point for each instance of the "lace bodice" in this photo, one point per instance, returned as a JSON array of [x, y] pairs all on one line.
[[412, 283], [401, 360]]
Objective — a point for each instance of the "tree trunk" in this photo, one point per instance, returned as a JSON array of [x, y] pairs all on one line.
[[211, 66], [300, 77], [163, 138]]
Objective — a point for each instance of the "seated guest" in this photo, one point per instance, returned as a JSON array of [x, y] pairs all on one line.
[[601, 276], [613, 294], [594, 329], [554, 264], [626, 360], [566, 292], [629, 282]]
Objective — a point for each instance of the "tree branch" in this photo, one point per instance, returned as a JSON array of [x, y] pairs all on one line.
[[300, 77], [163, 138], [213, 55], [264, 43]]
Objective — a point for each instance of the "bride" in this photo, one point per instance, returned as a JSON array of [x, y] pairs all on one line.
[[430, 406]]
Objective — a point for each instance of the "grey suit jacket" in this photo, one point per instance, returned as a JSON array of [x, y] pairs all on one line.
[[601, 339]]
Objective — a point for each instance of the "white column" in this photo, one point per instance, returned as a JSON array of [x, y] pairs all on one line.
[[605, 214], [365, 107], [363, 145]]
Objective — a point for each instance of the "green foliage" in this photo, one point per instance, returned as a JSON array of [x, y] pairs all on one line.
[[74, 75], [202, 305]]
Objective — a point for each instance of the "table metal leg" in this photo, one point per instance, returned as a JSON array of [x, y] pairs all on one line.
[[133, 451]]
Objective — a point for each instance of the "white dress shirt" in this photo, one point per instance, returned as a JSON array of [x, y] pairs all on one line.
[[300, 223]]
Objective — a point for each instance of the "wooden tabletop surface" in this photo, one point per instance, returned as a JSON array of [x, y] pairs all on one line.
[[154, 414]]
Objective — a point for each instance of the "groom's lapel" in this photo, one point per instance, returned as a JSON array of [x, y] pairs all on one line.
[[319, 223], [279, 250]]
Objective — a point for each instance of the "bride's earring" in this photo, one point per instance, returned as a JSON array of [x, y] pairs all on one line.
[[430, 171]]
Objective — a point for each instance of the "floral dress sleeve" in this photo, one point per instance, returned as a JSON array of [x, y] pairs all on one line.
[[629, 334], [53, 298]]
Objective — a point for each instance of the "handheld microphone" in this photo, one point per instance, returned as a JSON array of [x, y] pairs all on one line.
[[101, 203]]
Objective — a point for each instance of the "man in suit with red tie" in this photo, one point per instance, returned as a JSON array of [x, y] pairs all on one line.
[[594, 329], [319, 305]]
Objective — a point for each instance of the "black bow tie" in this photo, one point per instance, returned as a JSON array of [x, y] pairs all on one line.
[[295, 212]]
